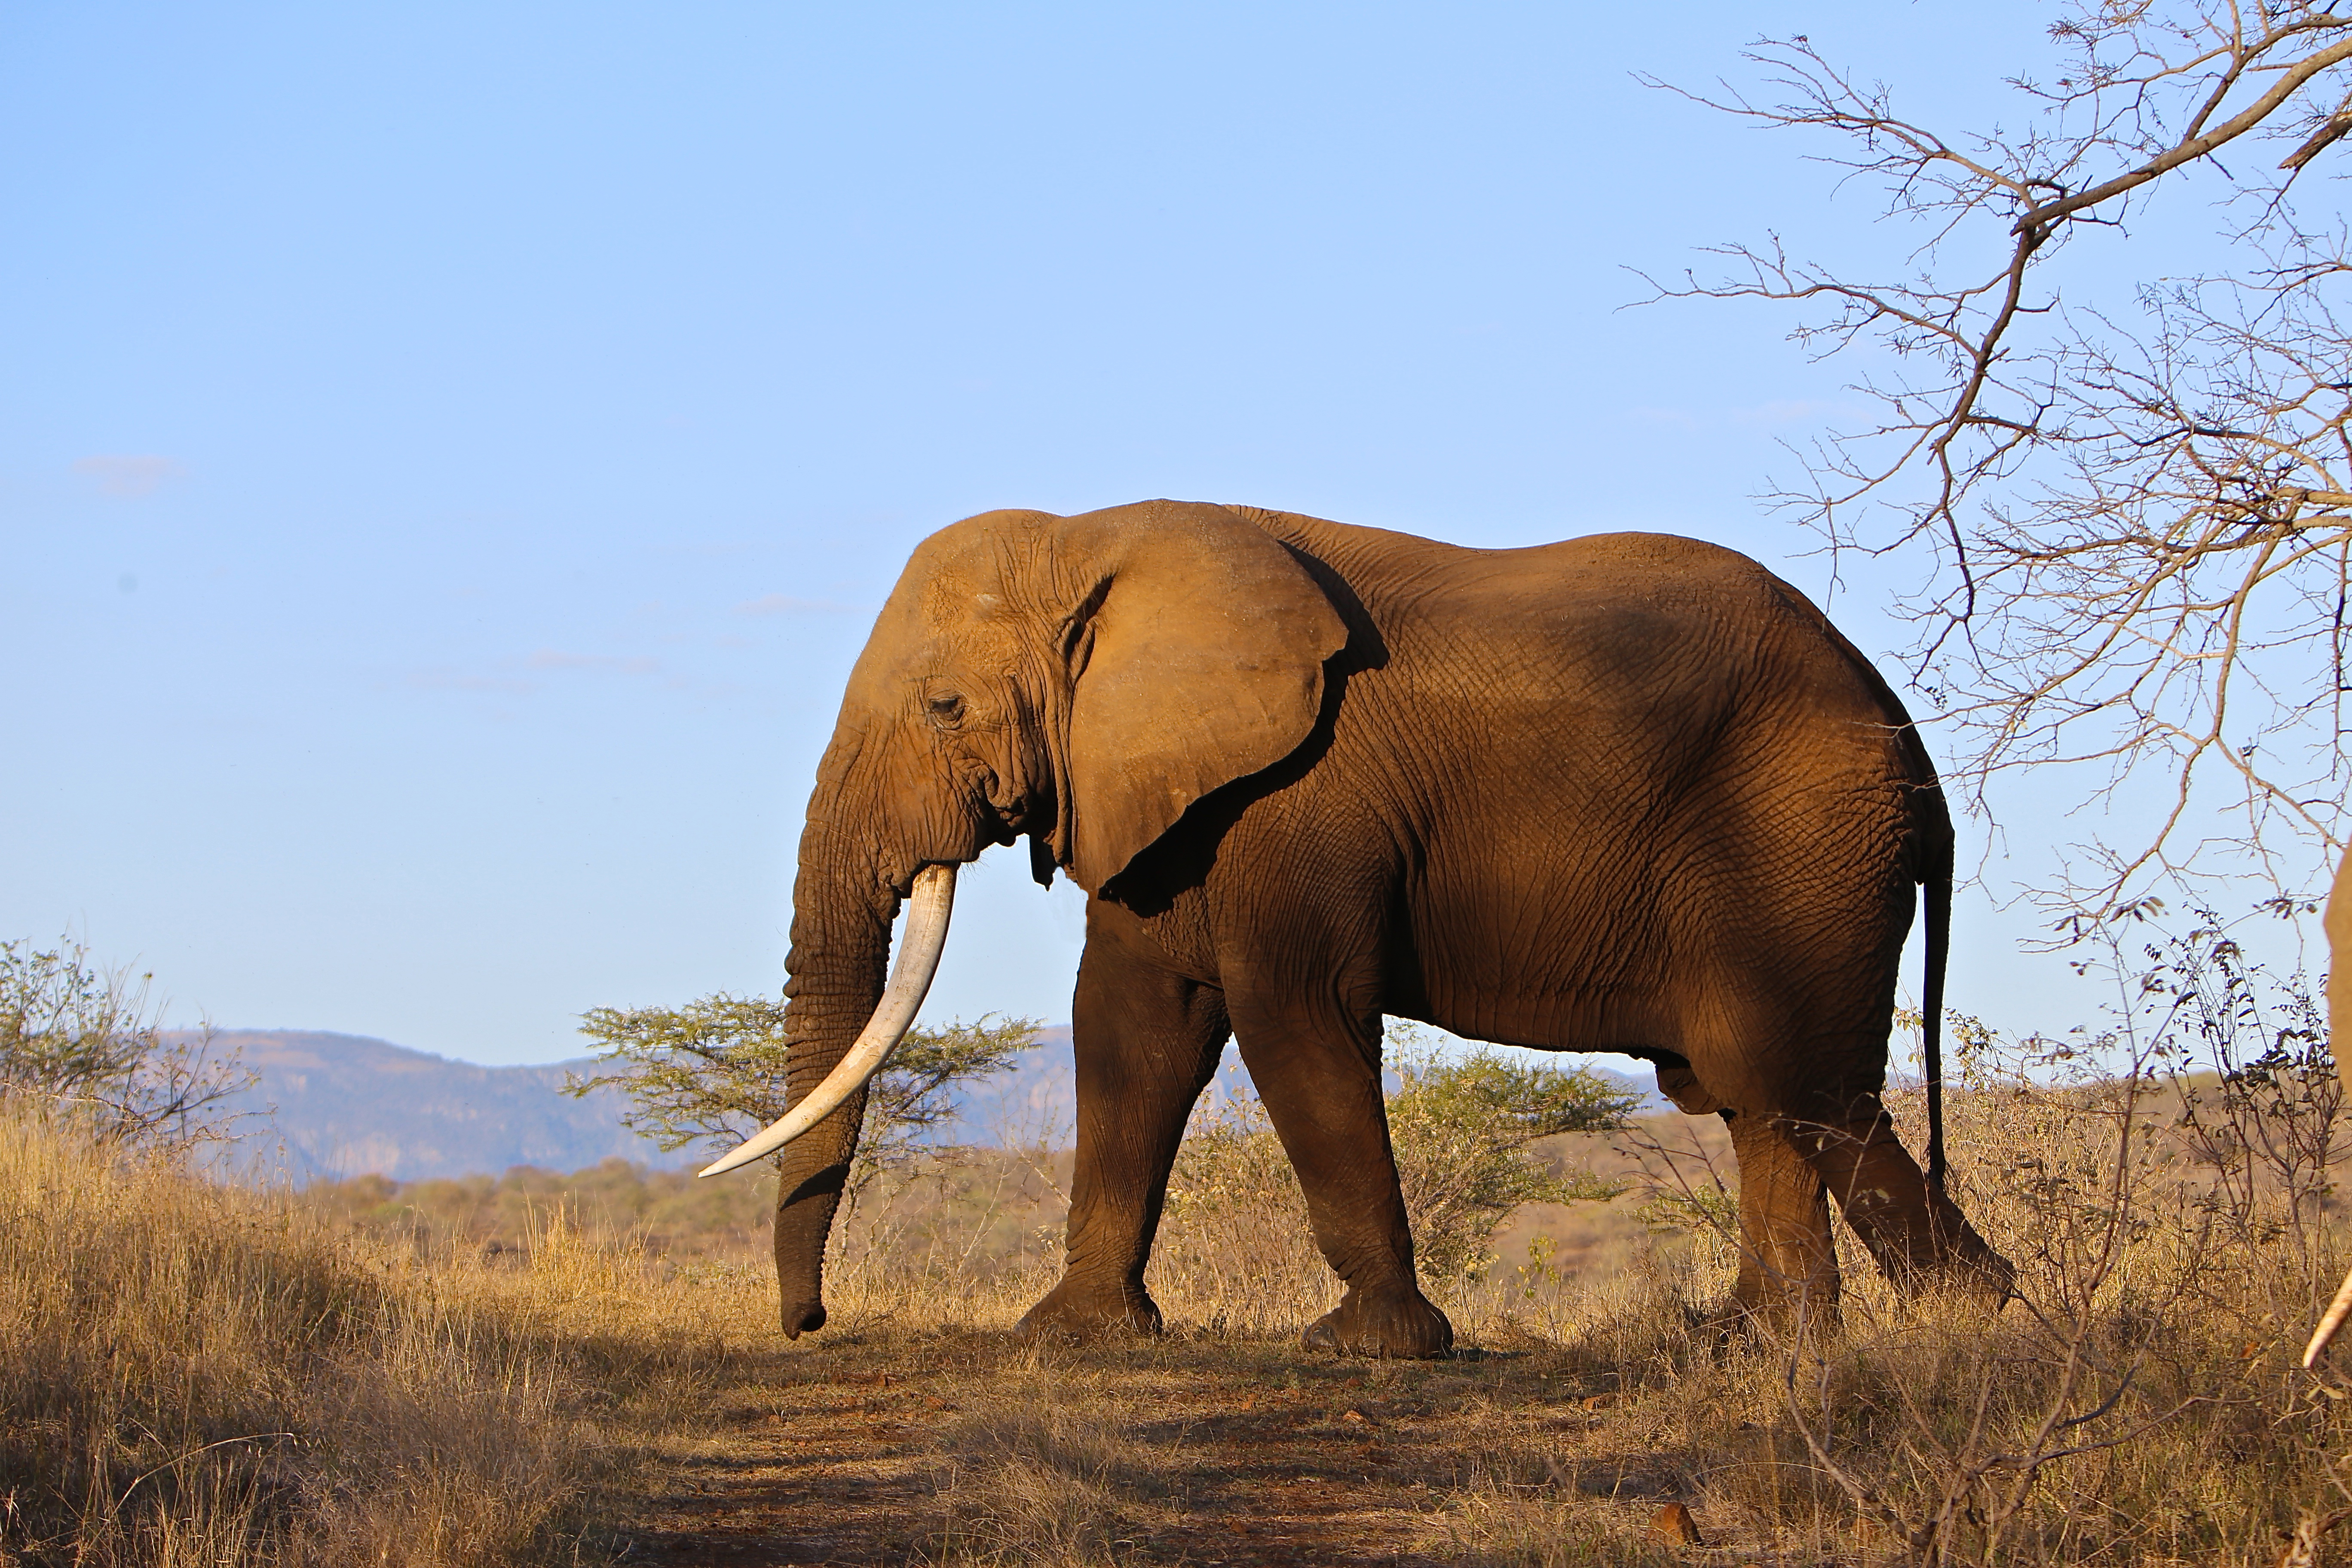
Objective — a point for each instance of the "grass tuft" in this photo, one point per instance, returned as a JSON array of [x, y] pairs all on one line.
[[200, 1375]]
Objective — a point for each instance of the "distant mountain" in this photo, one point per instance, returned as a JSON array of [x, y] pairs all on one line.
[[348, 1106], [1034, 1101], [343, 1105], [335, 1106]]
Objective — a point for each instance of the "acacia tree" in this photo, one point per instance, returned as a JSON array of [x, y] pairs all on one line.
[[712, 1073], [2128, 510]]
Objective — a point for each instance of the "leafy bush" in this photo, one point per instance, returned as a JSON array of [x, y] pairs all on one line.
[[1462, 1128], [1462, 1125], [80, 1039]]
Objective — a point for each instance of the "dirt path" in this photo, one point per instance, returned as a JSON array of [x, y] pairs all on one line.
[[1181, 1451]]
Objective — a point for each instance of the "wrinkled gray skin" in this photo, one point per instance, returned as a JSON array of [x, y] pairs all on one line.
[[1625, 794]]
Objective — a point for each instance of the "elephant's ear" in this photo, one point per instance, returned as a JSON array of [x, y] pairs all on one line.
[[1197, 653]]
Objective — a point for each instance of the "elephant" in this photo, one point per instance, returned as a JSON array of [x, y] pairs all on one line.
[[1625, 794], [2338, 923]]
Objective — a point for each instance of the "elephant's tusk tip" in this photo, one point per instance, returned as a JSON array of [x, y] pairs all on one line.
[[2332, 1319], [728, 1161]]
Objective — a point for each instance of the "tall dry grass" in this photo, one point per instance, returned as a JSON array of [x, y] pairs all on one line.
[[197, 1374], [2140, 1401], [668, 1212]]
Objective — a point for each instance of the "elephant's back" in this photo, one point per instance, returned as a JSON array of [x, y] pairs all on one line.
[[1620, 759], [1640, 625], [1631, 605], [1644, 665], [1610, 596]]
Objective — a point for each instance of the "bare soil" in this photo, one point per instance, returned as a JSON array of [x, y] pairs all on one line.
[[874, 1449]]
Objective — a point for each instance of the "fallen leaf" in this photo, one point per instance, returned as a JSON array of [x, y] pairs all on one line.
[[1673, 1522]]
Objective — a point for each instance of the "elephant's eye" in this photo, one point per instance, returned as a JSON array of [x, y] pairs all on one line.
[[945, 709]]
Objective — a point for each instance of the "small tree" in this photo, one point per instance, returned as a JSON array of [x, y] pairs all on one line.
[[712, 1072], [1461, 1125], [1464, 1129], [83, 1039]]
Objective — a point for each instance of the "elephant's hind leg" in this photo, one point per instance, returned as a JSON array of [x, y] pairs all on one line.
[[1788, 1262], [1917, 1233], [1147, 1042]]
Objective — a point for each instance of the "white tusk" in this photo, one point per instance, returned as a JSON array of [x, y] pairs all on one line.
[[2329, 1321], [919, 960]]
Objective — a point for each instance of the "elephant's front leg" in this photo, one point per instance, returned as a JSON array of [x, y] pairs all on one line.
[[1147, 1042], [1319, 1076]]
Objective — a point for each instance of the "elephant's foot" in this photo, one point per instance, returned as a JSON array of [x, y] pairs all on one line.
[[1991, 1278], [1784, 1313], [1984, 1282], [1397, 1321], [1074, 1314], [1955, 1265], [1973, 1269]]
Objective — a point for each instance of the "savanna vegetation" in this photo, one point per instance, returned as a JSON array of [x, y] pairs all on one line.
[[2122, 485], [537, 1368], [2132, 522], [194, 1373]]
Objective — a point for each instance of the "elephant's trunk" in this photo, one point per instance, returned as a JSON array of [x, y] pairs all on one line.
[[842, 909], [919, 960]]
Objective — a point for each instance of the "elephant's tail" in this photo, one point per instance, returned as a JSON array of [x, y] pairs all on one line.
[[1931, 856], [1936, 886]]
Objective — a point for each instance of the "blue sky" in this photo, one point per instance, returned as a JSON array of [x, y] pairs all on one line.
[[449, 455]]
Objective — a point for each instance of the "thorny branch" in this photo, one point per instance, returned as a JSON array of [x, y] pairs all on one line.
[[2132, 515], [86, 1040]]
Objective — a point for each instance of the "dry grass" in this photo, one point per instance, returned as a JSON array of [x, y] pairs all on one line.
[[573, 1397], [198, 1375], [2141, 1403], [665, 1213]]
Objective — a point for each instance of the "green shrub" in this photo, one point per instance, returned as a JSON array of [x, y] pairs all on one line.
[[1462, 1128], [81, 1041], [1463, 1125]]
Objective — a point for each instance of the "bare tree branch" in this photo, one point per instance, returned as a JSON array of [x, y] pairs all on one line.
[[2131, 517]]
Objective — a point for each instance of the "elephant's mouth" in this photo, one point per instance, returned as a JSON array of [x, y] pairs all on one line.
[[928, 908], [1014, 802], [1016, 817]]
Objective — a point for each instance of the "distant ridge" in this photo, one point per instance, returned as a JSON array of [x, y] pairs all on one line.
[[349, 1106], [330, 1105]]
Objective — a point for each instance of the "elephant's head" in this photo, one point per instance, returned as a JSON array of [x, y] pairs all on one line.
[[1083, 680]]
